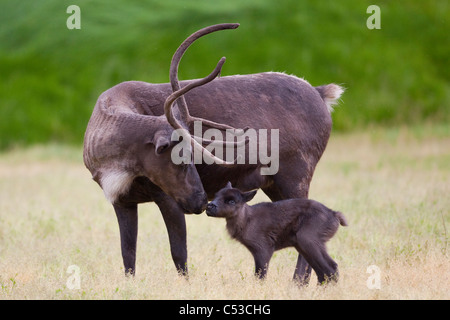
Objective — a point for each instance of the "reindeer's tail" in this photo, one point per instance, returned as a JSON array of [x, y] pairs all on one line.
[[342, 219], [330, 93]]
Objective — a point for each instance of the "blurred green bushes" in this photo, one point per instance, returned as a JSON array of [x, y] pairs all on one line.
[[50, 76]]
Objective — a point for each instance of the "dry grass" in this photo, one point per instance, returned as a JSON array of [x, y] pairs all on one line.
[[393, 187]]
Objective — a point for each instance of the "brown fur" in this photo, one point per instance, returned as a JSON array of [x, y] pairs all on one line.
[[127, 146], [266, 227]]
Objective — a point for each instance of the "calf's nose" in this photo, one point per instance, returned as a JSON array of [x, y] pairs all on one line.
[[211, 209]]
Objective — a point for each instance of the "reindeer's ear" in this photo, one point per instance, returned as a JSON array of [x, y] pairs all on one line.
[[247, 196], [228, 186], [161, 144], [161, 139]]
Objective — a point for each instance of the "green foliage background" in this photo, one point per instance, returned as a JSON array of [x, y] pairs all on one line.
[[50, 76]]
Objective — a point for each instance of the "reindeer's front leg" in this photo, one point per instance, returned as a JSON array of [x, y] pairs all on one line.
[[127, 216], [262, 257], [173, 216]]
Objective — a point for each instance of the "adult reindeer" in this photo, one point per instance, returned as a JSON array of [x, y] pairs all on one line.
[[128, 144]]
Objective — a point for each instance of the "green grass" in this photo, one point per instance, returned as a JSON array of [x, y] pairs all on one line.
[[52, 76], [392, 185]]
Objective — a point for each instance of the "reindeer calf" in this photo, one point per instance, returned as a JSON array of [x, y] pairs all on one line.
[[265, 227]]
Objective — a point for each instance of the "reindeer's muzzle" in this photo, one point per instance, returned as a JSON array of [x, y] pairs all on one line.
[[211, 209], [196, 204]]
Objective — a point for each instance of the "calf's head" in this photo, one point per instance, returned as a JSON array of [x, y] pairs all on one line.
[[228, 202]]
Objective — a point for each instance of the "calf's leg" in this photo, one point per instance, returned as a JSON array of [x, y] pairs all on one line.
[[302, 272], [262, 259], [316, 255], [288, 185], [333, 274]]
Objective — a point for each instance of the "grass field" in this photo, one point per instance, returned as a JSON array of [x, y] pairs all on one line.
[[51, 76], [393, 186]]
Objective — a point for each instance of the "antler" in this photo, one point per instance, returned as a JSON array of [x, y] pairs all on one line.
[[184, 112], [177, 125], [180, 92]]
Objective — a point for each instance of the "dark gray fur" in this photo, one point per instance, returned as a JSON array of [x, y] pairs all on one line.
[[127, 145], [269, 226]]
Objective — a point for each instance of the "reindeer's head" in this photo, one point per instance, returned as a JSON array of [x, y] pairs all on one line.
[[122, 145], [229, 202], [181, 180]]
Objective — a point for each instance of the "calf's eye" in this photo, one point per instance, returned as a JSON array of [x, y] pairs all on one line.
[[232, 202]]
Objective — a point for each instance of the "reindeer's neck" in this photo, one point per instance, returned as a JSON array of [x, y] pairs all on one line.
[[237, 225]]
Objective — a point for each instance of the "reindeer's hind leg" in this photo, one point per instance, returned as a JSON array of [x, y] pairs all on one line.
[[315, 254], [333, 266], [287, 185], [302, 273]]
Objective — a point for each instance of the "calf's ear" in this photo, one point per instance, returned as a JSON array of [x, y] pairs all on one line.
[[247, 196]]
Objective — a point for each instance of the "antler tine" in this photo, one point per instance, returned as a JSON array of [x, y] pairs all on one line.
[[173, 74], [180, 92], [176, 125]]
